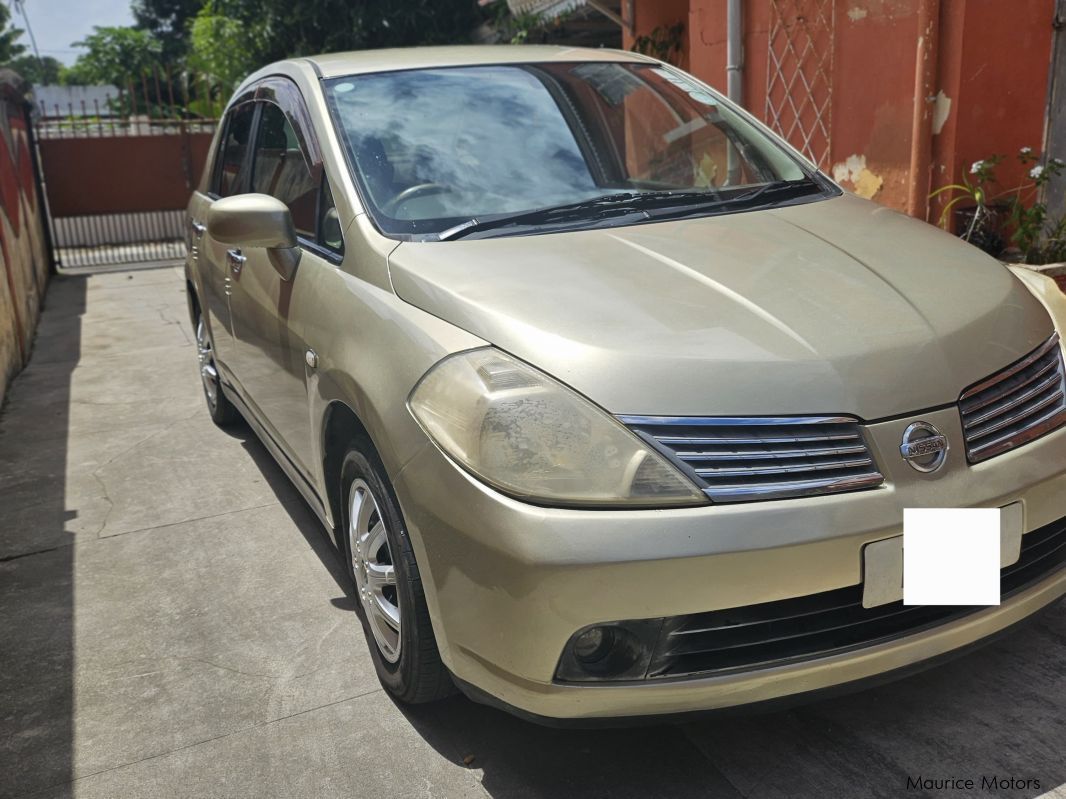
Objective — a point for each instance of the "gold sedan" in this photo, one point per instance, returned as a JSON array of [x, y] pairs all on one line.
[[612, 401]]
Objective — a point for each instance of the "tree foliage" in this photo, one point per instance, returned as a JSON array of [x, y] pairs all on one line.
[[169, 21], [46, 71], [319, 26], [222, 47], [228, 39], [114, 55], [9, 34]]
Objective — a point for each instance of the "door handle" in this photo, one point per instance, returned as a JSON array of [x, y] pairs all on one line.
[[235, 260], [198, 228]]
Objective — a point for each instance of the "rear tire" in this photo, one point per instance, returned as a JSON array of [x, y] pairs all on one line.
[[387, 584], [223, 412]]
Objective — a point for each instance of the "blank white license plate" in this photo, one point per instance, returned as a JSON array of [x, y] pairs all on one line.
[[882, 561]]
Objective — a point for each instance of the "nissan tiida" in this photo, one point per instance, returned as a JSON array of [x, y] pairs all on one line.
[[612, 401]]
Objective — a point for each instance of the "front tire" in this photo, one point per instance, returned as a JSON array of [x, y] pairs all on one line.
[[388, 588], [223, 413]]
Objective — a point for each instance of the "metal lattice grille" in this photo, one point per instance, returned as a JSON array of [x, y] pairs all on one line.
[[799, 75], [1017, 405], [738, 459]]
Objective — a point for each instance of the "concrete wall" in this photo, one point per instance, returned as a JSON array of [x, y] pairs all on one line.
[[74, 100], [24, 264], [992, 78]]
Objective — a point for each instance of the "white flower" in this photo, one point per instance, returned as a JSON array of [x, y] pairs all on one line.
[[1036, 171], [977, 167], [1059, 161], [1025, 150]]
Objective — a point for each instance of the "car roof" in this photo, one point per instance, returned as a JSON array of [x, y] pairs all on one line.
[[333, 65]]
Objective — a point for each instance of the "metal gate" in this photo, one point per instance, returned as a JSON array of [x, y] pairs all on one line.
[[799, 75], [118, 171]]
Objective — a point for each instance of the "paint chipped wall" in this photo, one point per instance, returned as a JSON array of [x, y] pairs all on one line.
[[873, 96], [872, 77], [991, 94], [23, 255], [853, 171]]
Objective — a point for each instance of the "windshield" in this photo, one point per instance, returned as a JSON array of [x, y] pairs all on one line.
[[436, 148]]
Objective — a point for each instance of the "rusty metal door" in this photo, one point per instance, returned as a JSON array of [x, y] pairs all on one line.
[[118, 176]]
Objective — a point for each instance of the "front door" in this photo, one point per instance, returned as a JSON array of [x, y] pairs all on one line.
[[231, 166], [270, 350]]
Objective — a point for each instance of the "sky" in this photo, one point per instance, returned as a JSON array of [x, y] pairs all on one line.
[[57, 23]]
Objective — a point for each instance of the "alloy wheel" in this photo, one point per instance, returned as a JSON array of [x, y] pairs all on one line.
[[208, 372], [372, 564]]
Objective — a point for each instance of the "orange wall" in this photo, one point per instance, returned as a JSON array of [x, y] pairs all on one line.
[[993, 67], [654, 14], [996, 71]]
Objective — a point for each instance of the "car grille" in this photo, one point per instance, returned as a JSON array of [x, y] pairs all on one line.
[[822, 624], [1021, 403], [758, 458]]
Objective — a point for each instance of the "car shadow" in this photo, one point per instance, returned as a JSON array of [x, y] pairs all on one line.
[[516, 758], [997, 713], [994, 717], [298, 510]]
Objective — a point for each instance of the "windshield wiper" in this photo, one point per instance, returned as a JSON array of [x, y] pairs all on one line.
[[767, 195], [599, 206], [650, 204], [602, 207]]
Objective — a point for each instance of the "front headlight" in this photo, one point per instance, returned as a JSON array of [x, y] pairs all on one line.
[[532, 437]]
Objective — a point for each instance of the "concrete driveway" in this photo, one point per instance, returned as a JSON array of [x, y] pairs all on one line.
[[174, 623]]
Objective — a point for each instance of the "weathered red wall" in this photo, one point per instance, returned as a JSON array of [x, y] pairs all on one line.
[[707, 41], [24, 264], [873, 96], [660, 13], [993, 68]]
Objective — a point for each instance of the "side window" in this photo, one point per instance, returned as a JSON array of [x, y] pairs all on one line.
[[329, 224], [280, 169], [232, 150]]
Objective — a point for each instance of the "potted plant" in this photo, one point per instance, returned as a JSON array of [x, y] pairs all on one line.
[[983, 217], [977, 216], [1039, 235]]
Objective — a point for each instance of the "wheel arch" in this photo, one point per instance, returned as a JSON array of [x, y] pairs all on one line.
[[341, 426], [192, 299]]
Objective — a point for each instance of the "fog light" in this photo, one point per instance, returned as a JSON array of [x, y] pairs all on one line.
[[594, 644], [616, 651]]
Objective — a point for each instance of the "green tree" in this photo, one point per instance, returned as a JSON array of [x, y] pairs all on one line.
[[222, 47], [169, 21], [43, 72], [318, 26], [9, 34], [114, 55]]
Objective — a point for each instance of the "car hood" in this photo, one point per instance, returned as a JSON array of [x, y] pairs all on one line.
[[840, 306]]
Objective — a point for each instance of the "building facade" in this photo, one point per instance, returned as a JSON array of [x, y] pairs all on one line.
[[894, 98]]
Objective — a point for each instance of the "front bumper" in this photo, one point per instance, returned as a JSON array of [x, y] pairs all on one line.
[[508, 583]]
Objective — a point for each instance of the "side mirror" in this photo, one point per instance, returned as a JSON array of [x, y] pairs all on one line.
[[256, 220]]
